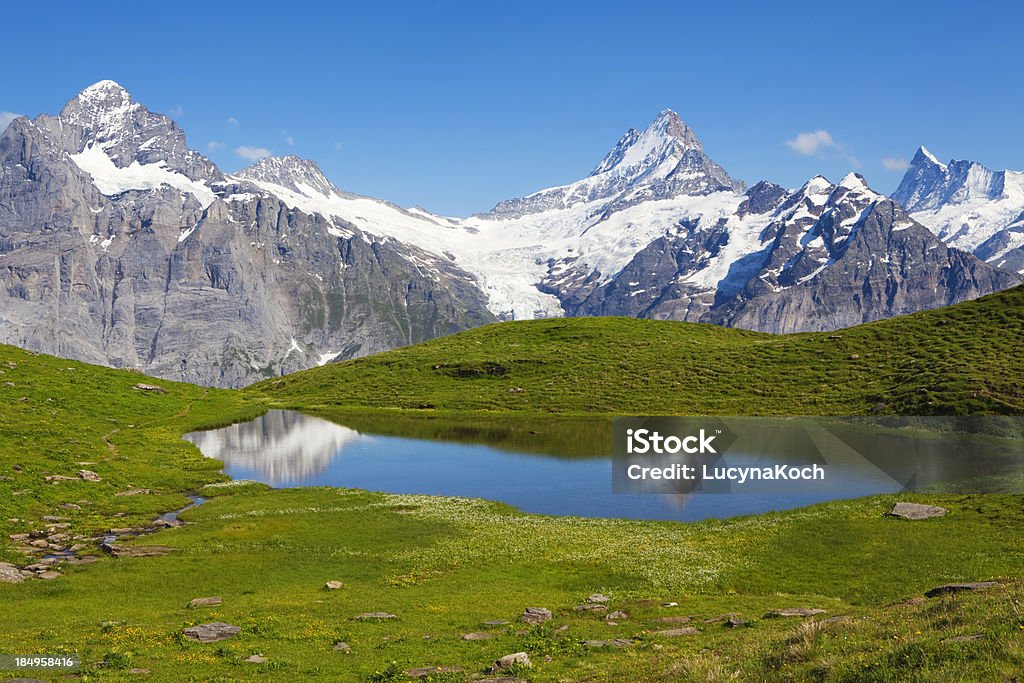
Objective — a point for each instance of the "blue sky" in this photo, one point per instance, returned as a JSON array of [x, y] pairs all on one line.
[[455, 106]]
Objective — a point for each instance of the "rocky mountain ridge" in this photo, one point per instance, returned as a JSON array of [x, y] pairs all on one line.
[[121, 245]]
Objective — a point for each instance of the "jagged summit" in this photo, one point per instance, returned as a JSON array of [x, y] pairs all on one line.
[[854, 181], [664, 161], [291, 172], [103, 89], [968, 206], [665, 136], [925, 157]]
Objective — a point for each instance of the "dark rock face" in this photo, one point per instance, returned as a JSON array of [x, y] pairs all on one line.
[[200, 278]]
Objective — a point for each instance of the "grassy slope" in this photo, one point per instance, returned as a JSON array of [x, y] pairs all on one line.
[[965, 359], [444, 566]]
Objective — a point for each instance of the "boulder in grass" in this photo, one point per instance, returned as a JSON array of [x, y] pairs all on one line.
[[506, 662], [794, 612], [916, 511], [374, 616], [676, 632], [206, 602], [211, 633], [428, 671], [10, 574], [536, 615], [333, 585], [960, 588]]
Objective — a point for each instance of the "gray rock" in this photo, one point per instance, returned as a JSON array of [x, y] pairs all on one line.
[[617, 642], [617, 615], [426, 671], [10, 574], [676, 632], [49, 575], [333, 585], [478, 635], [507, 661], [256, 659], [794, 612], [151, 388], [206, 602], [598, 598], [960, 587], [591, 608], [88, 475], [916, 511], [211, 633], [374, 616], [133, 492], [136, 551], [342, 646], [536, 615]]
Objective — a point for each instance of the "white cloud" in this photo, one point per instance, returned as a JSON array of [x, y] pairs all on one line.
[[894, 164], [289, 139], [337, 146], [213, 144], [253, 153], [5, 118], [812, 143], [232, 121], [177, 111]]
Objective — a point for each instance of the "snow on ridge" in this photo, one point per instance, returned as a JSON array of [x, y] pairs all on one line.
[[966, 224], [112, 180]]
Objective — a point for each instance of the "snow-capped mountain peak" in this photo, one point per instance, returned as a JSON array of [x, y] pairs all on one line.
[[104, 91], [104, 112], [123, 146], [664, 161], [854, 181], [666, 139], [666, 136], [968, 206], [923, 156], [294, 173]]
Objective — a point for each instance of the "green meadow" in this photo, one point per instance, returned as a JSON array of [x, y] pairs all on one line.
[[445, 567]]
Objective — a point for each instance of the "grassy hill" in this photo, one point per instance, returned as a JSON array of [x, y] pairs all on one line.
[[964, 359], [447, 566]]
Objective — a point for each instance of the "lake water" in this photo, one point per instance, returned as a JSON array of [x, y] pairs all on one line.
[[563, 466]]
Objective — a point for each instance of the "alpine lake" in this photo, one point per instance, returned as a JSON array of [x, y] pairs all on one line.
[[564, 466]]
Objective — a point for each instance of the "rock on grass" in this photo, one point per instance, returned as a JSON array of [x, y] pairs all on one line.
[[212, 632]]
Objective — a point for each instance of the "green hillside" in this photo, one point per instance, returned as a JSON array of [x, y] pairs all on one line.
[[964, 359]]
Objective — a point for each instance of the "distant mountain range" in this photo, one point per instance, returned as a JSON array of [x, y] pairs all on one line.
[[120, 245]]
